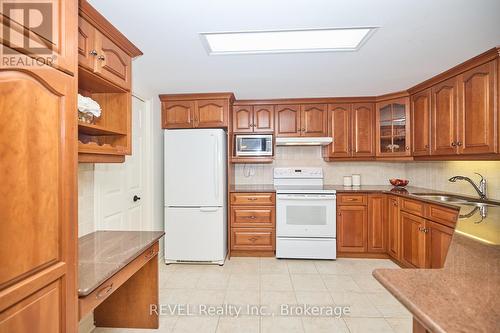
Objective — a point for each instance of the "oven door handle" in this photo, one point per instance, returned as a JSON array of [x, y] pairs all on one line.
[[307, 197]]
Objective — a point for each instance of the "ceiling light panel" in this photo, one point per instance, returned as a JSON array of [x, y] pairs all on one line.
[[283, 41]]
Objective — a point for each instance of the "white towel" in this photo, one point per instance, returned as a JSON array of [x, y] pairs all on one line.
[[87, 104]]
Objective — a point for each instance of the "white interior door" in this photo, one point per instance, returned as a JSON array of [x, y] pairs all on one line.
[[120, 195]]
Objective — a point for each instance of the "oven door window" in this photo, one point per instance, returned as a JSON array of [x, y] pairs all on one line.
[[306, 215]]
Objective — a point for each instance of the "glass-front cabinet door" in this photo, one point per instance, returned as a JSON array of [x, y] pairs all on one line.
[[393, 128]]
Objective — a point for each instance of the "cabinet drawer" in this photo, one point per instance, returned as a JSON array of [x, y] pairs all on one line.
[[253, 199], [89, 302], [414, 207], [444, 215], [252, 239], [352, 199], [252, 217]]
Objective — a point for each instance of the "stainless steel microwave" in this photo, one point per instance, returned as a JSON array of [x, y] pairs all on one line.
[[254, 145]]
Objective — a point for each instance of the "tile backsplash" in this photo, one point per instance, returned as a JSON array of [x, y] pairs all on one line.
[[86, 222], [432, 175]]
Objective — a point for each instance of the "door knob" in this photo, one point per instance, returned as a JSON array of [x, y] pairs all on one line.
[[136, 198]]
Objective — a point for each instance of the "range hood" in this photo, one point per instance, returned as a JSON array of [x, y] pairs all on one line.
[[303, 141]]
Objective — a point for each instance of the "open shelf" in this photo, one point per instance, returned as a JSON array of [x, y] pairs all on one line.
[[92, 129]]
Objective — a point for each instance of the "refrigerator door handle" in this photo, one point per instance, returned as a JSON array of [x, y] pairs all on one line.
[[209, 209], [216, 167]]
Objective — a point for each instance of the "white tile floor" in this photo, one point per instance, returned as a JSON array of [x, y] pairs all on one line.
[[270, 282]]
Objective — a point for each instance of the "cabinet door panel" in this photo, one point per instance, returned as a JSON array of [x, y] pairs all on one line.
[[243, 119], [55, 44], [351, 228], [476, 121], [339, 125], [86, 44], [314, 119], [177, 114], [263, 118], [412, 240], [393, 232], [443, 119], [376, 223], [211, 113], [287, 120], [363, 118], [112, 62], [421, 117], [37, 212], [438, 242]]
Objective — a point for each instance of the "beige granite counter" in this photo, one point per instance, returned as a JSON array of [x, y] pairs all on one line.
[[101, 254]]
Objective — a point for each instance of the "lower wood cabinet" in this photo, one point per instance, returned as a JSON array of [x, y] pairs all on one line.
[[393, 227], [252, 224], [377, 223], [412, 240], [437, 243], [352, 228]]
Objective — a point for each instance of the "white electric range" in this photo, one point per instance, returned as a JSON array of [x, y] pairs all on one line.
[[305, 214]]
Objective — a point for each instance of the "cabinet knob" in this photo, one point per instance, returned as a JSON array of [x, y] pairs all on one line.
[[136, 198], [407, 147], [459, 143], [426, 146], [453, 144], [93, 53], [101, 57]]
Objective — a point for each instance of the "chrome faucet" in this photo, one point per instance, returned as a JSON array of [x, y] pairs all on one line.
[[481, 189]]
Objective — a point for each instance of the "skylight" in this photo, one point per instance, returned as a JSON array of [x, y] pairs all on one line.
[[283, 41]]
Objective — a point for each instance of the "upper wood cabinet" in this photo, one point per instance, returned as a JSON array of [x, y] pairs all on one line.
[[38, 229], [477, 116], [393, 127], [287, 120], [197, 110], [60, 36], [351, 127], [421, 123], [339, 128], [253, 118], [104, 74], [444, 117], [314, 119]]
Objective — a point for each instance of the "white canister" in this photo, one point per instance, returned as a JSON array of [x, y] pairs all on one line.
[[356, 180], [347, 181]]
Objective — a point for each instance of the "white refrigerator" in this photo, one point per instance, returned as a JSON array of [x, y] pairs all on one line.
[[195, 196]]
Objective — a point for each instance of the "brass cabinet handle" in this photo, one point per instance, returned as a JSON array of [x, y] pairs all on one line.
[[104, 291], [426, 146], [453, 144], [253, 239], [459, 143], [395, 203], [101, 57], [93, 53], [252, 199], [407, 148]]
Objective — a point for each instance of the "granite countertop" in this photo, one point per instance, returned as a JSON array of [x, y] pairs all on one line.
[[101, 254]]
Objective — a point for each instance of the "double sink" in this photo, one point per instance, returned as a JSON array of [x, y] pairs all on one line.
[[455, 199]]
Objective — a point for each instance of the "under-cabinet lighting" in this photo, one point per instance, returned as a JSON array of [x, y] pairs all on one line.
[[282, 41]]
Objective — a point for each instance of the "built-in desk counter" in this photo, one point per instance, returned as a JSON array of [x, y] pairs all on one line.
[[118, 277]]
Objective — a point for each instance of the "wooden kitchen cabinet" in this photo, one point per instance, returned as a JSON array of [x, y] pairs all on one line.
[[437, 243], [377, 223], [393, 128], [351, 127], [421, 123], [252, 226], [313, 119], [253, 118], [287, 120], [210, 110], [444, 118], [104, 74], [477, 114], [38, 229], [413, 236], [339, 120], [352, 228], [393, 227]]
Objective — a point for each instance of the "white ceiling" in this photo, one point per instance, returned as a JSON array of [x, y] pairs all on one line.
[[416, 39]]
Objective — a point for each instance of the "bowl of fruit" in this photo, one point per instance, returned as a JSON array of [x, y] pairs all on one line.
[[399, 182]]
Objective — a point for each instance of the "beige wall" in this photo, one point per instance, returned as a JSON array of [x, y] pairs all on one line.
[[86, 222], [432, 175]]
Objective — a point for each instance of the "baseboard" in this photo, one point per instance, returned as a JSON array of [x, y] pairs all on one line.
[[362, 255], [252, 253], [86, 325]]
